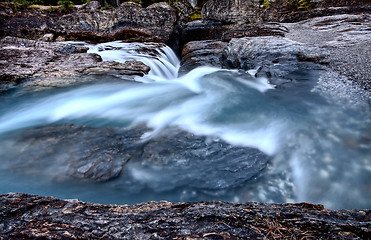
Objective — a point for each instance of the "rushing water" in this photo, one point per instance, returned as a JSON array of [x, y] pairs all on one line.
[[319, 145]]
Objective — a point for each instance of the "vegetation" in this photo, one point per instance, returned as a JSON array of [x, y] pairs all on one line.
[[291, 5], [304, 5], [66, 4], [266, 4]]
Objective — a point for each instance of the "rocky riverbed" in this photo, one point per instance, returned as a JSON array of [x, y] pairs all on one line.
[[324, 52]]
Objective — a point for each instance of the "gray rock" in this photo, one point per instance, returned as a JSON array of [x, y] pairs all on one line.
[[57, 64], [66, 151], [128, 22], [31, 216], [201, 53], [347, 39], [184, 160], [99, 154]]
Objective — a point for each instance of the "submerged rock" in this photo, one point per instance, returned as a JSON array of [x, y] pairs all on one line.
[[31, 216], [61, 152], [99, 154]]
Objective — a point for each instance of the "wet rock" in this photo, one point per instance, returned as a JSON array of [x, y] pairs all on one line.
[[184, 160], [181, 159], [201, 53], [31, 216], [249, 53], [57, 64], [66, 151]]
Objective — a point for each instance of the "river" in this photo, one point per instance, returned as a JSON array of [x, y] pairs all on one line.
[[318, 142]]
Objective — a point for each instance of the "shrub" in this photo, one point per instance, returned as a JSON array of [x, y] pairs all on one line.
[[65, 4]]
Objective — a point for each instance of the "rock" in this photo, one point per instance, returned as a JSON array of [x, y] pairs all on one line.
[[196, 31], [250, 11], [66, 151], [57, 64], [48, 37], [129, 22], [183, 160], [201, 53], [31, 216], [99, 154], [345, 37], [60, 39], [231, 11]]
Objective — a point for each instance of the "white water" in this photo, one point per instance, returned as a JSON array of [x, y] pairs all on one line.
[[317, 147]]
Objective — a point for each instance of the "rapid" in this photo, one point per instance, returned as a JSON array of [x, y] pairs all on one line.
[[319, 146]]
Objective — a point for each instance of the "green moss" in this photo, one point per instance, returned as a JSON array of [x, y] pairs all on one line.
[[304, 5], [266, 4], [196, 16]]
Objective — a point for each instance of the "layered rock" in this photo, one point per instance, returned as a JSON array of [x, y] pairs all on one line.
[[29, 216], [338, 44], [128, 22], [250, 11], [57, 64]]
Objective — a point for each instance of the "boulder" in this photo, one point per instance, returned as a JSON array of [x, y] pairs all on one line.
[[201, 53], [29, 216]]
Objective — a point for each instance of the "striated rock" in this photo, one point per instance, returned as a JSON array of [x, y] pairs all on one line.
[[338, 44], [56, 64], [250, 11], [232, 11], [201, 53], [29, 216], [196, 31], [129, 22]]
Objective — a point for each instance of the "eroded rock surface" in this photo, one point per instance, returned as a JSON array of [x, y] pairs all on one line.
[[57, 64], [28, 216], [128, 22], [99, 154]]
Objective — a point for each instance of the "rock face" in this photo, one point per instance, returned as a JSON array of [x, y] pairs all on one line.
[[99, 154], [250, 11], [28, 216], [199, 53], [56, 64], [128, 22], [338, 43]]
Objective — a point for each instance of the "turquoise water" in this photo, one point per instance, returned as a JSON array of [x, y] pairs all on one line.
[[319, 145]]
